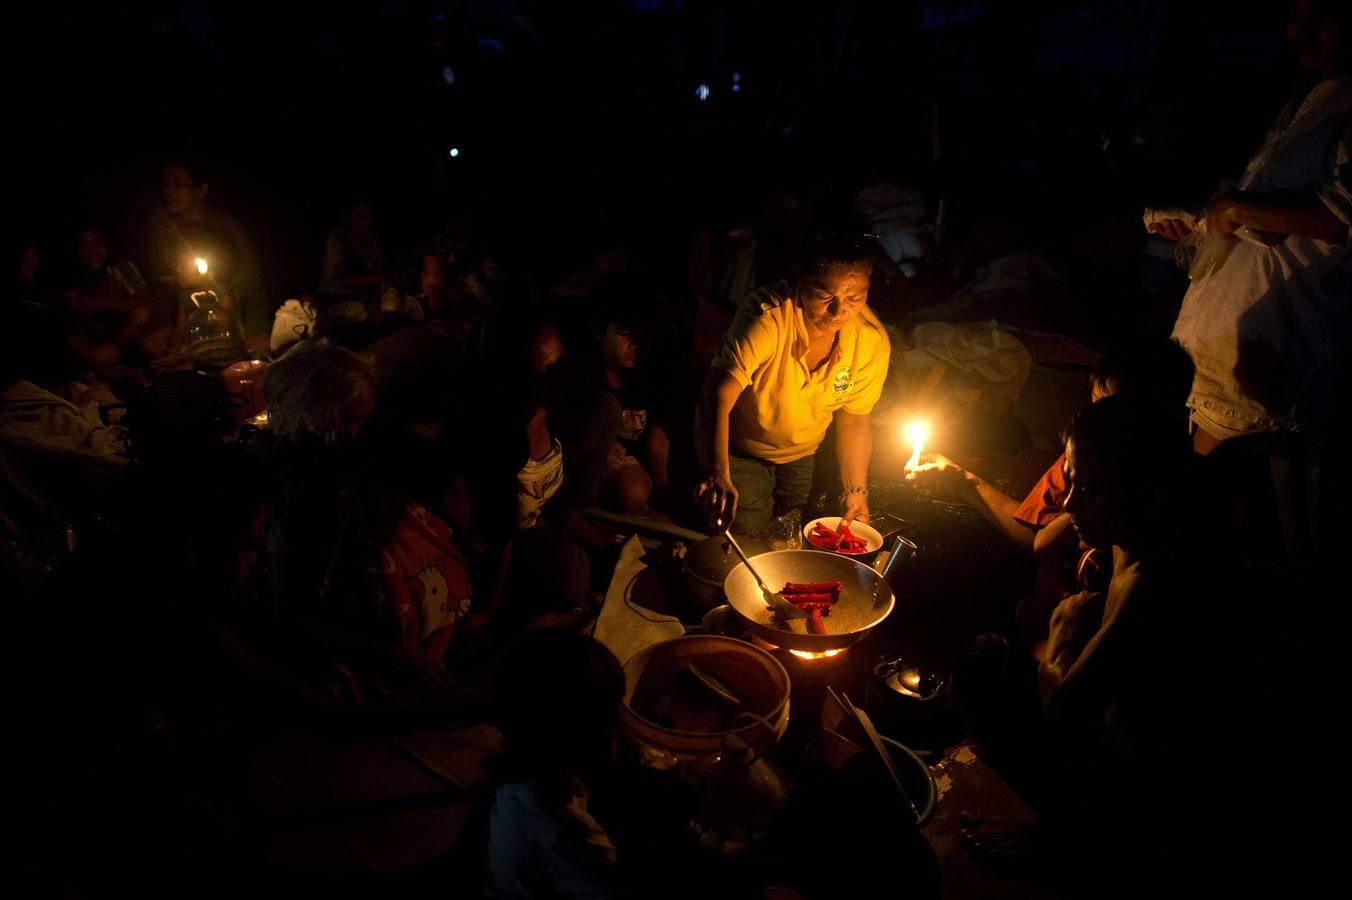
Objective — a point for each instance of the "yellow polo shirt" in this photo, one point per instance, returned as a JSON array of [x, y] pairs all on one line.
[[787, 410]]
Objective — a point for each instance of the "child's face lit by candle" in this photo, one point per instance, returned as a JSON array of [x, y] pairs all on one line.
[[1087, 501]]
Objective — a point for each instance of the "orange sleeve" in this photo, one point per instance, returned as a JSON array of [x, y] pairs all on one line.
[[1044, 501]]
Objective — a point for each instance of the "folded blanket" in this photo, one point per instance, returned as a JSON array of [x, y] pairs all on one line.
[[54, 455]]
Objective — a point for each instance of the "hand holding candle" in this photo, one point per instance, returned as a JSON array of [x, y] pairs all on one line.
[[940, 476]]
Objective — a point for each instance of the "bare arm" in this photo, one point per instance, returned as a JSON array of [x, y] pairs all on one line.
[[712, 430], [1301, 215], [1056, 535], [946, 478], [854, 448], [1089, 685], [998, 509]]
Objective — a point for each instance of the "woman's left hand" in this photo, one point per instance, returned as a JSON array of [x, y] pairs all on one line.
[[1223, 213], [854, 506]]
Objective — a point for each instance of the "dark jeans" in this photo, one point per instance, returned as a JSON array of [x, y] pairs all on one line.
[[766, 489]]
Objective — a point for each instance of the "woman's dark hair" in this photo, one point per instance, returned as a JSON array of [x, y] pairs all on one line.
[[197, 169], [1140, 446], [834, 248], [1157, 371]]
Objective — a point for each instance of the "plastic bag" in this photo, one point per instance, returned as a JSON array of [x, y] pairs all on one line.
[[295, 321], [784, 532], [1203, 251]]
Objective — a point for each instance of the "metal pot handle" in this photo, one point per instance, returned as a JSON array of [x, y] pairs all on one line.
[[899, 544]]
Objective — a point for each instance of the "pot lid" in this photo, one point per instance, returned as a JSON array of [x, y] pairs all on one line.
[[713, 558]]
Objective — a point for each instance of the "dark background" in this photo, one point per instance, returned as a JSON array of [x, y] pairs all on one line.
[[579, 124]]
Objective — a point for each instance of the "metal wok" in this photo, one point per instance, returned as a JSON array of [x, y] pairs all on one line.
[[865, 598]]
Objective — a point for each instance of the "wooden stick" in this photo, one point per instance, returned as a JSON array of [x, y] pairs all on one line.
[[639, 523], [844, 710], [862, 717]]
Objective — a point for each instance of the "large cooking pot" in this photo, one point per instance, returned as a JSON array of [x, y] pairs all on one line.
[[865, 598], [706, 565], [754, 676]]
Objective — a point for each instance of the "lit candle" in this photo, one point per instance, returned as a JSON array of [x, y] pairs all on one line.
[[201, 265], [917, 430]]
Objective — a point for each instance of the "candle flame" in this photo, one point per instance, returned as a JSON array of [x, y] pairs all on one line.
[[201, 265], [917, 432]]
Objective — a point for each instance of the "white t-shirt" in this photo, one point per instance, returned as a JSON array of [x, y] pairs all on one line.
[[1261, 328], [537, 481]]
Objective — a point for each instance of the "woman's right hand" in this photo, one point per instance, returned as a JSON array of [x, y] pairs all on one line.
[[1173, 229], [717, 496]]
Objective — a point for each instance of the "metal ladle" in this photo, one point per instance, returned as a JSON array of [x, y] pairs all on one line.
[[783, 608]]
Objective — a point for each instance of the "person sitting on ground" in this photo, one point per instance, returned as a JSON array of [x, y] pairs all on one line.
[[549, 456], [360, 565], [184, 187], [1156, 371], [542, 840], [637, 465], [111, 305], [461, 285], [354, 262], [1143, 662]]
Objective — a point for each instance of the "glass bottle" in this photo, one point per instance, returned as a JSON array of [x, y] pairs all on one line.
[[214, 336]]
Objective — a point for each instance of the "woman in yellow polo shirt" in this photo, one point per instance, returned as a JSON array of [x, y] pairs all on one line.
[[798, 354]]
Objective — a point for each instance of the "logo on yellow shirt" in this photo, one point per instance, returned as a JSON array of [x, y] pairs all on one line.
[[842, 381]]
